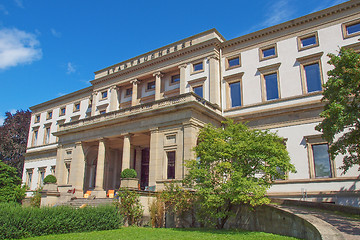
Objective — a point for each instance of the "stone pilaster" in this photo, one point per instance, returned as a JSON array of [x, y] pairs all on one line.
[[214, 80], [182, 78], [154, 156], [114, 98], [190, 133], [78, 169], [60, 166], [158, 76], [134, 99], [93, 103], [99, 182], [126, 152], [138, 162]]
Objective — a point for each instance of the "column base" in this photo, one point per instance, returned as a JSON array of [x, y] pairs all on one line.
[[99, 193]]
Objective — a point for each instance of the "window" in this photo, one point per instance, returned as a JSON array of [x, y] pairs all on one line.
[[271, 86], [37, 118], [104, 94], [52, 170], [41, 177], [102, 111], [308, 41], [171, 165], [29, 174], [62, 111], [49, 115], [150, 85], [268, 52], [351, 29], [320, 164], [128, 92], [198, 90], [175, 78], [233, 62], [67, 173], [235, 94], [47, 135], [197, 67], [76, 107], [35, 137], [311, 76]]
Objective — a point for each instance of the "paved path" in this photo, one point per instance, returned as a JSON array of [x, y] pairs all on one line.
[[348, 227]]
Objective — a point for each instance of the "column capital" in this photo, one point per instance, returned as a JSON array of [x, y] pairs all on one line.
[[183, 65], [215, 57], [154, 130], [158, 74], [113, 87], [135, 82], [78, 143], [127, 134], [94, 93]]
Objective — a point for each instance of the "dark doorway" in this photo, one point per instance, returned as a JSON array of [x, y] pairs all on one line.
[[144, 181]]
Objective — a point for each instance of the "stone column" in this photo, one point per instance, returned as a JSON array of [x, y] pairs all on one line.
[[60, 166], [78, 170], [190, 132], [214, 80], [154, 156], [138, 162], [99, 182], [114, 100], [182, 78], [93, 103], [158, 76], [126, 152], [134, 99]]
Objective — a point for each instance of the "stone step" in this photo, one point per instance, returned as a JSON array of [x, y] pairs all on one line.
[[78, 202]]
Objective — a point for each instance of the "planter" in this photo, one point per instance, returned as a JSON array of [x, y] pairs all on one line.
[[51, 187], [130, 183]]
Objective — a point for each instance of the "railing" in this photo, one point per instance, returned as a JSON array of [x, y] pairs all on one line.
[[162, 103]]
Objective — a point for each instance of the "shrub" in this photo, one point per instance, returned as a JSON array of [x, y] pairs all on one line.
[[157, 212], [35, 200], [21, 222], [128, 173], [129, 206], [50, 179], [10, 185]]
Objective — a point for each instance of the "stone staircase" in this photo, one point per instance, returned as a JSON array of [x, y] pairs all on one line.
[[78, 202]]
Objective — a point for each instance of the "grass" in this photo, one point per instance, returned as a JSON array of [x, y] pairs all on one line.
[[166, 233]]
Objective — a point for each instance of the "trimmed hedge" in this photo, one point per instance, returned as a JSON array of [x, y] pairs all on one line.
[[50, 179], [129, 173], [20, 222]]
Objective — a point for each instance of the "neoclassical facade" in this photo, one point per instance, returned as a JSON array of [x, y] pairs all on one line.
[[145, 113]]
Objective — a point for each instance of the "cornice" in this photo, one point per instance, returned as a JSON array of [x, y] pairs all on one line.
[[292, 23]]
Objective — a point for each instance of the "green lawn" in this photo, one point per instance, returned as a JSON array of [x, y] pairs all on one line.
[[166, 233]]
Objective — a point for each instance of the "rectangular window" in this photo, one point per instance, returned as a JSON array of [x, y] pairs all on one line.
[[29, 174], [313, 77], [235, 94], [175, 78], [49, 115], [102, 111], [35, 136], [47, 135], [52, 170], [268, 52], [308, 41], [150, 85], [353, 28], [198, 90], [67, 172], [62, 111], [37, 118], [198, 67], [271, 86], [233, 62], [305, 42], [171, 165], [41, 177], [76, 107], [128, 91], [104, 94], [322, 163]]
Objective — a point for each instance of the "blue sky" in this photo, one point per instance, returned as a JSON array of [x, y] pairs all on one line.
[[49, 48]]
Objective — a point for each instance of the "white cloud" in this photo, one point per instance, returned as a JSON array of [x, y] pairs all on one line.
[[12, 111], [2, 119], [70, 68], [19, 3], [327, 4], [278, 12], [18, 47], [60, 94], [3, 10], [55, 33]]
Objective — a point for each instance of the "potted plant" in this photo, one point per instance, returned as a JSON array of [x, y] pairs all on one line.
[[50, 183], [128, 179]]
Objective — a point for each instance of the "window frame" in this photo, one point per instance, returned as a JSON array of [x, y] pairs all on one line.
[[61, 113], [37, 118], [35, 136], [172, 78], [227, 60], [28, 177], [167, 164], [300, 38], [102, 95], [347, 24], [268, 70], [47, 131], [262, 49], [309, 60], [126, 91], [41, 177], [228, 81], [196, 63], [75, 108], [49, 115], [150, 83], [317, 140]]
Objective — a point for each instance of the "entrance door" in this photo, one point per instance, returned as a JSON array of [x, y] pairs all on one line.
[[145, 155]]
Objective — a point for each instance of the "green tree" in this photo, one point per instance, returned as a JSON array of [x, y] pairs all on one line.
[[129, 206], [13, 139], [341, 123], [10, 185], [235, 165]]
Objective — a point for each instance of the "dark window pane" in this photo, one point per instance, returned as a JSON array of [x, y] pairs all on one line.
[[272, 91], [313, 79], [175, 78], [104, 94], [129, 91], [308, 41], [198, 67], [268, 52], [235, 94], [171, 165], [321, 160], [199, 91], [234, 62], [151, 85], [353, 28]]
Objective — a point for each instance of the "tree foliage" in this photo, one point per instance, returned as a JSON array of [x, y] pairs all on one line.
[[13, 139], [235, 165], [341, 123], [129, 206], [10, 185]]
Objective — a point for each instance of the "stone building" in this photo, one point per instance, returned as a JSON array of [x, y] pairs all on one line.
[[145, 113]]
